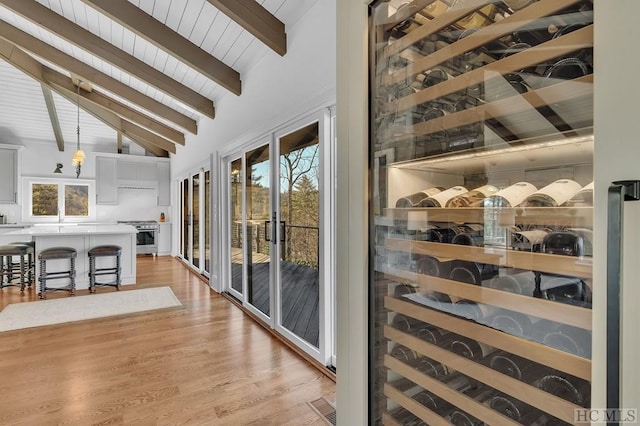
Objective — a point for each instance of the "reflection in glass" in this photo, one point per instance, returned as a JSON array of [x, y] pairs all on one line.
[[235, 231], [258, 246], [195, 209], [299, 232], [207, 221], [76, 200], [44, 199]]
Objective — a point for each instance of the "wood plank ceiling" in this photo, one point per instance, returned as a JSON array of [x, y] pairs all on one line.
[[143, 70]]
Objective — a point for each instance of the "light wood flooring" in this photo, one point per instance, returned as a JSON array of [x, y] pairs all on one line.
[[205, 363]]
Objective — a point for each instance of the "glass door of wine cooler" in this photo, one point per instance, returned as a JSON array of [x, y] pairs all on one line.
[[481, 144]]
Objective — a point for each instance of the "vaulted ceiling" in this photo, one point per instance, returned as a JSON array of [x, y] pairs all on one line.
[[141, 71]]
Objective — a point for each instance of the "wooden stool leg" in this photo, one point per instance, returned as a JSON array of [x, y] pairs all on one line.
[[23, 273], [42, 278], [118, 273], [73, 276]]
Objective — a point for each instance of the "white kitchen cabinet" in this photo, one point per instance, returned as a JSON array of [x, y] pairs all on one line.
[[164, 239], [106, 180], [136, 171], [164, 183], [8, 175]]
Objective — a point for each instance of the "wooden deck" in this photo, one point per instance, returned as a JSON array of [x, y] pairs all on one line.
[[300, 293]]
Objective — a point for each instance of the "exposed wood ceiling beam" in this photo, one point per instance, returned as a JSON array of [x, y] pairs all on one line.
[[168, 40], [75, 34], [88, 73], [254, 18], [119, 143], [53, 116], [46, 75], [64, 83], [36, 70], [142, 137]]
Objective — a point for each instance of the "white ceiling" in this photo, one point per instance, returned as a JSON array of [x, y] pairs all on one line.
[[23, 113]]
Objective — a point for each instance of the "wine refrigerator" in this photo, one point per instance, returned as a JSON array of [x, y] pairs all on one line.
[[481, 211]]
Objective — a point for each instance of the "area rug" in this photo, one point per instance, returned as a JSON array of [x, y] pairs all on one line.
[[57, 311]]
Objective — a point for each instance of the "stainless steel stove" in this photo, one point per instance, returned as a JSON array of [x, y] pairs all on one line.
[[147, 241]]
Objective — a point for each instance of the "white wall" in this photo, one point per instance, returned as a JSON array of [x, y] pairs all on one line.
[[39, 158]]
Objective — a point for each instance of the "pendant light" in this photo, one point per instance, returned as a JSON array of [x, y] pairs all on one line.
[[78, 157]]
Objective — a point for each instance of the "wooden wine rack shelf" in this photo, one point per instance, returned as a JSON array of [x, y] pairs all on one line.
[[566, 314], [413, 406], [508, 25], [556, 93], [507, 216], [551, 357], [555, 264], [549, 403], [388, 420]]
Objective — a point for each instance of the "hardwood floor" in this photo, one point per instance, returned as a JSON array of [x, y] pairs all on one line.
[[204, 363]]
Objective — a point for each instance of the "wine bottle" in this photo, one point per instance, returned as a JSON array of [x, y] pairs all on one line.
[[563, 337], [587, 239], [569, 388], [413, 200], [471, 310], [440, 199], [566, 243], [470, 348], [567, 69], [514, 323], [468, 239], [563, 289], [516, 5], [521, 283], [406, 324], [480, 18], [402, 289], [434, 335], [446, 235], [429, 265], [404, 354], [439, 301], [473, 198], [433, 402], [433, 368], [584, 197], [530, 240], [471, 272], [517, 367], [460, 418], [517, 410], [553, 195], [510, 196]]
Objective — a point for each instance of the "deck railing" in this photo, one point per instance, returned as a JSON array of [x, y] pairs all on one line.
[[300, 243]]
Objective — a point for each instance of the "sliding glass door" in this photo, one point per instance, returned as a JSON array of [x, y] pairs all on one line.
[[195, 201], [277, 243]]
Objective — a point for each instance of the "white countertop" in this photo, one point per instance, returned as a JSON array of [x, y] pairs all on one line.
[[79, 229]]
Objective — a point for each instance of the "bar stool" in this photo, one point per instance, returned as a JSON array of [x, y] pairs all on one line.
[[8, 268], [56, 253], [31, 268], [104, 251]]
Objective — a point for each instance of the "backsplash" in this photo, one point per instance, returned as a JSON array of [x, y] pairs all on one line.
[[133, 204]]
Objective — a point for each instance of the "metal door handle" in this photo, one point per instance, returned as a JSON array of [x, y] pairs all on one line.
[[284, 230], [619, 192]]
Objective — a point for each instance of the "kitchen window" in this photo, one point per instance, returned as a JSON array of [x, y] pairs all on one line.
[[56, 200]]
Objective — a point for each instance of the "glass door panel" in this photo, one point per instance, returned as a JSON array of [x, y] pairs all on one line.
[[235, 225], [185, 219], [207, 221], [299, 233], [195, 214], [258, 228], [481, 211]]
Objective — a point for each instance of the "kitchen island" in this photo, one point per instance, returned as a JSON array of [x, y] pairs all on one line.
[[82, 238]]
